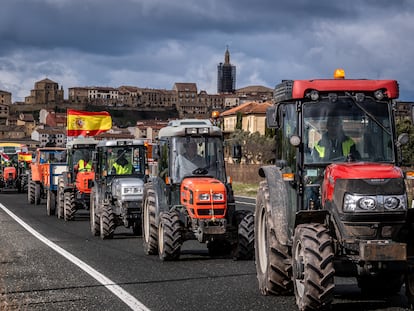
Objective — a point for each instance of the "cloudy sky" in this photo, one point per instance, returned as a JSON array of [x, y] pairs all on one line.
[[155, 43]]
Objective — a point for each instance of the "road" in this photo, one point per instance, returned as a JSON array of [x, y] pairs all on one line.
[[59, 265]]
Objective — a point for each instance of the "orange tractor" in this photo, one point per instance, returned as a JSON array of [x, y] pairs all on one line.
[[74, 185], [49, 163], [13, 166], [191, 197]]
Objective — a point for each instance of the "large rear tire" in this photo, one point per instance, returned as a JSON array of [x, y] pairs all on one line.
[[94, 218], [50, 203], [313, 270], [149, 227], [245, 244], [273, 261], [169, 236], [37, 193], [69, 206], [107, 223]]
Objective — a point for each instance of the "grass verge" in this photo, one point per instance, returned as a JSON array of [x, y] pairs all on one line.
[[245, 189]]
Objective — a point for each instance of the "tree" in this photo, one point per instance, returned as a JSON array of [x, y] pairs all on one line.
[[256, 148]]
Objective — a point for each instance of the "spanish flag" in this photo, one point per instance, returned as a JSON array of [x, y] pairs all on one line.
[[87, 123], [24, 157]]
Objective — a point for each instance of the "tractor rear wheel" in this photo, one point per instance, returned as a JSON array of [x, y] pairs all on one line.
[[149, 227], [50, 203], [69, 206], [107, 223], [37, 193], [313, 270], [169, 236], [245, 245], [94, 218], [273, 261]]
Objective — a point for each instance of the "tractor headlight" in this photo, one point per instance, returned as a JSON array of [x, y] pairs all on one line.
[[379, 203], [396, 202], [367, 203], [218, 197], [204, 197], [131, 190]]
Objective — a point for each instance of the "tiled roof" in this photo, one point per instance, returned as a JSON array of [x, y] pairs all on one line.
[[248, 108]]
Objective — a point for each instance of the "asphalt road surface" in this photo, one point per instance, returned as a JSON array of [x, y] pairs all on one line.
[[50, 264]]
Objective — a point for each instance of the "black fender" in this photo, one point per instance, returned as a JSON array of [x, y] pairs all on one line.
[[279, 203], [158, 186]]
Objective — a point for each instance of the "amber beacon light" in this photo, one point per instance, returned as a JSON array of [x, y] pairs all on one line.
[[339, 73]]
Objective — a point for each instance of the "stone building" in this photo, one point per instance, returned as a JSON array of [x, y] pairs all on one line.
[[46, 92], [5, 102]]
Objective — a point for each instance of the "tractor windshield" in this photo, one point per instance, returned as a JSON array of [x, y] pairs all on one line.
[[345, 130], [197, 156], [125, 160]]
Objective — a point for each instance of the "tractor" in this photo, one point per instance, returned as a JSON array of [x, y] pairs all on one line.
[[191, 198], [15, 160], [48, 165], [335, 203], [74, 185], [116, 194]]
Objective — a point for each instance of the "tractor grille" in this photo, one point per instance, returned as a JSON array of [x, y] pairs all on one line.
[[210, 212]]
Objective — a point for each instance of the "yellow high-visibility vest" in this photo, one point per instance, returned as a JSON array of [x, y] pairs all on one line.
[[346, 148], [122, 170]]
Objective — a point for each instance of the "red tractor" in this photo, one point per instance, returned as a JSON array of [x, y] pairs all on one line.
[[335, 203], [191, 197]]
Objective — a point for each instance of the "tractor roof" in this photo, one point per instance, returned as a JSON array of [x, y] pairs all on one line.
[[190, 127], [120, 143], [81, 142]]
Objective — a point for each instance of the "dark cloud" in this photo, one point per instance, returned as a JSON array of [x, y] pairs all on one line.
[[155, 43]]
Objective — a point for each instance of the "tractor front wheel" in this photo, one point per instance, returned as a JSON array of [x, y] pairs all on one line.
[[149, 227], [169, 236], [50, 203], [107, 223], [69, 206], [245, 244], [94, 218], [313, 270]]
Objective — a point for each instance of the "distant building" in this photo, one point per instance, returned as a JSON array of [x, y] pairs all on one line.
[[253, 116], [5, 102], [50, 136], [45, 92], [226, 75]]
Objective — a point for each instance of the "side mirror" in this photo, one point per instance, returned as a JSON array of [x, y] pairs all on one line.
[[403, 139], [155, 152], [271, 117]]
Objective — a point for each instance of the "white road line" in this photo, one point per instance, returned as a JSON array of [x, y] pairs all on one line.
[[127, 298]]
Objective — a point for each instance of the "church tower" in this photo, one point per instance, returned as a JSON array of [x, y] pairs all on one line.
[[226, 75]]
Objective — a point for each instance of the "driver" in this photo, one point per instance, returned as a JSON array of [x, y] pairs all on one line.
[[189, 160], [334, 143]]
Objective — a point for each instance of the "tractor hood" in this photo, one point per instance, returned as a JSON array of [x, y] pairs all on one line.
[[371, 173], [204, 197]]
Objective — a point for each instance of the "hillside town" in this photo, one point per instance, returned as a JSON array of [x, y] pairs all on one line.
[[41, 118], [137, 112]]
